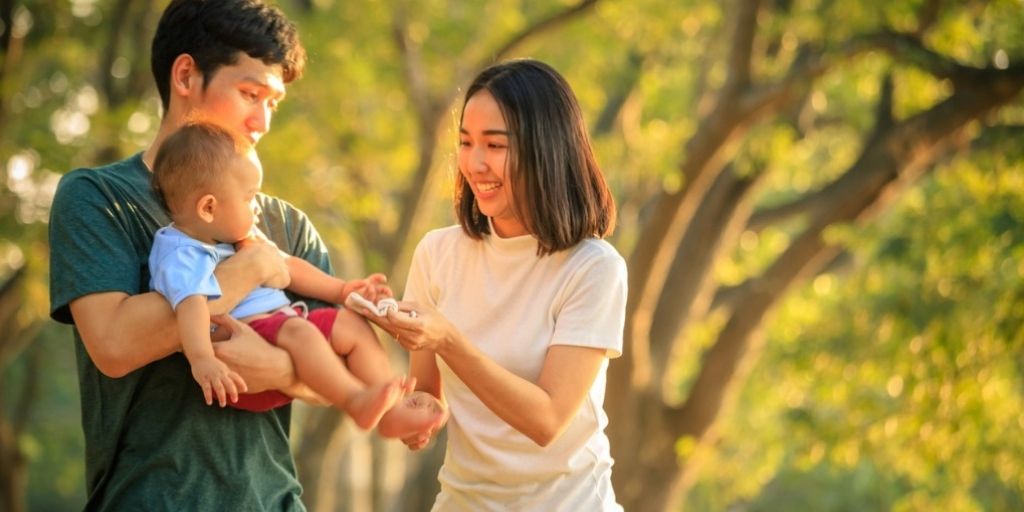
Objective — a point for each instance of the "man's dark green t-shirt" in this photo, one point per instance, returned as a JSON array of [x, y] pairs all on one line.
[[151, 441]]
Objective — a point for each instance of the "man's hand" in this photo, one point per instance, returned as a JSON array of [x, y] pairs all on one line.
[[267, 260], [262, 365]]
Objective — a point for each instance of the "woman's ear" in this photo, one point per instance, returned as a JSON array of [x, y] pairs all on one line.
[[185, 75], [205, 207]]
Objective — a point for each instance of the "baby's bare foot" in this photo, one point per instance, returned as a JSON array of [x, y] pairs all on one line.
[[415, 414], [366, 407]]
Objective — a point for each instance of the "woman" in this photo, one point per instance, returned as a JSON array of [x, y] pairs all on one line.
[[512, 316]]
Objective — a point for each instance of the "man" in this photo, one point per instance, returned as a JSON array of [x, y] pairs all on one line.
[[151, 441]]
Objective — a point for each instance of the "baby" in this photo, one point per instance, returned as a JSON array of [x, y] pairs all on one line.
[[209, 180]]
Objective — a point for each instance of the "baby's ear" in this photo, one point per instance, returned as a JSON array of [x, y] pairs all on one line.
[[205, 207]]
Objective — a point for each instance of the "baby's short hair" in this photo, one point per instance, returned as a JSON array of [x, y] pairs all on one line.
[[192, 161]]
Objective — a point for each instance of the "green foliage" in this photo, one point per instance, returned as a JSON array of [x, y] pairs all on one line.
[[902, 377], [895, 385]]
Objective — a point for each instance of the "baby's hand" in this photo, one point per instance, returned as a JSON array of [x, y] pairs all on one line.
[[373, 288], [216, 378]]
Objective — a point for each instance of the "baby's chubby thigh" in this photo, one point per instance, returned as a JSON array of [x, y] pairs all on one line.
[[350, 331], [299, 334]]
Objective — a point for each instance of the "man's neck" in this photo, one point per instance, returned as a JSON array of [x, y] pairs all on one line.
[[168, 125]]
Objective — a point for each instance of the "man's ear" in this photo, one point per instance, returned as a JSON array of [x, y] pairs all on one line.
[[205, 207], [185, 75]]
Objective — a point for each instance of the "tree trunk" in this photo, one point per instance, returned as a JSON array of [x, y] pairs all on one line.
[[895, 158]]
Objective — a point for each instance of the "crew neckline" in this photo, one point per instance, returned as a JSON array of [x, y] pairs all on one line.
[[512, 243]]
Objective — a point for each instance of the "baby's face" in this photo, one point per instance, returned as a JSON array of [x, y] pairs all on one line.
[[237, 210]]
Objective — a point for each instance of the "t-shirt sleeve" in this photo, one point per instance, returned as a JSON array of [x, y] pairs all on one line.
[[90, 248], [293, 232], [308, 244], [417, 284], [184, 271], [593, 313]]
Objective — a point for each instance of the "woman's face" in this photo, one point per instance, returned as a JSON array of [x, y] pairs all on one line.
[[483, 162]]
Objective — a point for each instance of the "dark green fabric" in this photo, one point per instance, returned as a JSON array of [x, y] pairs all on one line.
[[151, 442]]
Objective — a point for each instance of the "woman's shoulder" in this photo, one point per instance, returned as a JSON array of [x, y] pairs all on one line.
[[444, 237], [597, 249], [595, 256]]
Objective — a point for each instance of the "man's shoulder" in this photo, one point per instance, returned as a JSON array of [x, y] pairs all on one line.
[[83, 178], [277, 208], [133, 163]]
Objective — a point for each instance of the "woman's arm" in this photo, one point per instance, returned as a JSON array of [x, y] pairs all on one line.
[[553, 401], [565, 379], [423, 367]]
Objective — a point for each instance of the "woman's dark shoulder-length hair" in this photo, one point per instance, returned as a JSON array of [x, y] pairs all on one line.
[[560, 193]]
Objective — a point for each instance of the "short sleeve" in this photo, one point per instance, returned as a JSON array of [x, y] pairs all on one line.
[[417, 284], [183, 271], [293, 232], [91, 250], [593, 313]]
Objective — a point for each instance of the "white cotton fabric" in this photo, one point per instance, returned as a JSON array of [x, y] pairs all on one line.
[[513, 305]]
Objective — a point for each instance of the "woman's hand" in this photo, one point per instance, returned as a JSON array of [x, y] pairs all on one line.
[[419, 327], [422, 399]]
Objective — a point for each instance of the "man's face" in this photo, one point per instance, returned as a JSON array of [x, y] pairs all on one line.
[[241, 97]]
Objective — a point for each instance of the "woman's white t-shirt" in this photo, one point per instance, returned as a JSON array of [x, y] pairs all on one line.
[[513, 305]]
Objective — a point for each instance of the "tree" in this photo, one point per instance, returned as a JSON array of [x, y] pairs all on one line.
[[690, 228], [753, 146]]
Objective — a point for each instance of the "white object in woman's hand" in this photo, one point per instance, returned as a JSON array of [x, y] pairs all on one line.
[[360, 304]]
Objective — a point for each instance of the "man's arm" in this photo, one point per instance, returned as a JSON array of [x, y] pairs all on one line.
[[245, 352], [113, 323]]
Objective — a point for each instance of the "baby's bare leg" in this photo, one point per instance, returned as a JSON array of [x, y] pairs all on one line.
[[319, 367], [354, 339]]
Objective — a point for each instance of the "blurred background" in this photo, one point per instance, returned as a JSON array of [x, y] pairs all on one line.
[[820, 205]]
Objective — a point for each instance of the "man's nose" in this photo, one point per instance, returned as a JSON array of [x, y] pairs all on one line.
[[259, 119]]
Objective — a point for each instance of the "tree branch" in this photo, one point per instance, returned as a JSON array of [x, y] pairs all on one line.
[[742, 44], [554, 20], [894, 161]]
